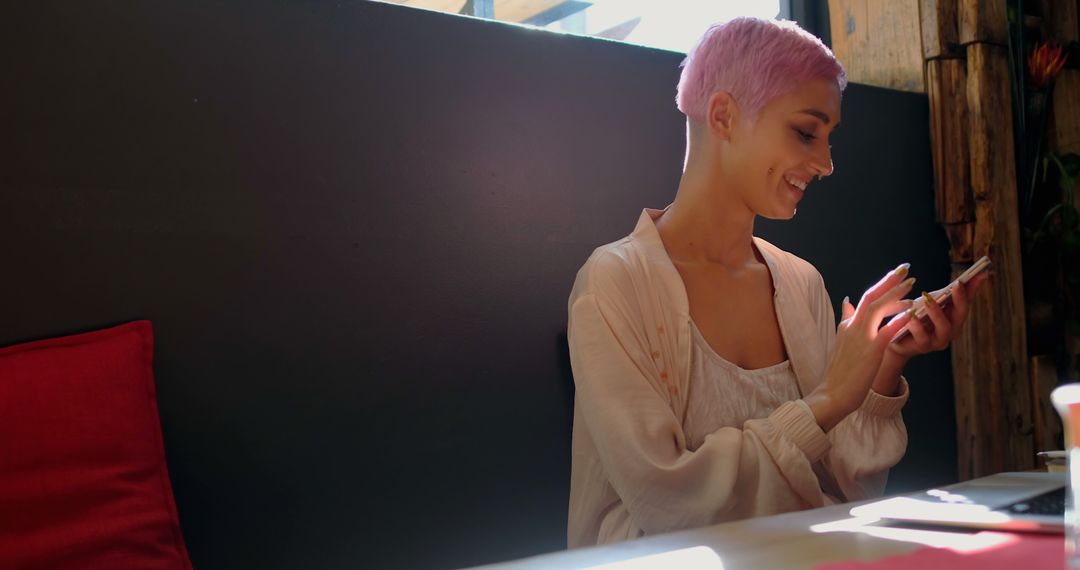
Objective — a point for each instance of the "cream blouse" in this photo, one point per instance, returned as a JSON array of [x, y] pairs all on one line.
[[644, 461], [723, 394]]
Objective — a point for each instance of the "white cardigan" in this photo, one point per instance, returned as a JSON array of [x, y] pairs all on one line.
[[630, 341]]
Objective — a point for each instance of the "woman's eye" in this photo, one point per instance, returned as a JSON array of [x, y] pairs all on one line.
[[805, 136]]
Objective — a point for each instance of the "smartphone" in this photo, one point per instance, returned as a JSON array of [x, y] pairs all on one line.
[[943, 296]]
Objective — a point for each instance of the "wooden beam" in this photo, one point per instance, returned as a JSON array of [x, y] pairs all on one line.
[[940, 32], [961, 244], [878, 42], [970, 438], [983, 21], [1002, 408], [946, 81]]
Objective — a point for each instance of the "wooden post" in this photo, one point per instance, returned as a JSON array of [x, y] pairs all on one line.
[[999, 316], [975, 188], [939, 29], [947, 89], [983, 21]]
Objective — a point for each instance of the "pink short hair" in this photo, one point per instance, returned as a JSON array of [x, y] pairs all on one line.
[[756, 61]]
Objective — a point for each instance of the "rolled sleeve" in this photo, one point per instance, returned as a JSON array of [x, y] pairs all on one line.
[[796, 421], [878, 405]]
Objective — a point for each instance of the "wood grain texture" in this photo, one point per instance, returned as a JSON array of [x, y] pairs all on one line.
[[946, 85], [961, 243], [982, 21], [990, 121], [1003, 408], [967, 398], [940, 30], [879, 42]]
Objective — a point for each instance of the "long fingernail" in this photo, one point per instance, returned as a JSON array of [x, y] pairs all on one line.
[[846, 301], [910, 281], [926, 297], [902, 269]]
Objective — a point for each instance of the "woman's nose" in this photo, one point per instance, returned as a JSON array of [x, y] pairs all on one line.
[[823, 163]]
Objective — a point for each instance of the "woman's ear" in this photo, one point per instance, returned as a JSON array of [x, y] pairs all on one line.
[[722, 110]]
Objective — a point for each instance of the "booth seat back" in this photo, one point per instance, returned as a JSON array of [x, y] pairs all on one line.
[[354, 227]]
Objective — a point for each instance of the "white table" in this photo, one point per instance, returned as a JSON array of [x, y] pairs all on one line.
[[799, 540]]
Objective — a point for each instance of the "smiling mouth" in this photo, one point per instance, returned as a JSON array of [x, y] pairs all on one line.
[[795, 183]]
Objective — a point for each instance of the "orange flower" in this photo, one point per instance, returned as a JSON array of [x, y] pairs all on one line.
[[1044, 64]]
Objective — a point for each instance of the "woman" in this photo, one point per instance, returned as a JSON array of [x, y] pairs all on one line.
[[712, 381]]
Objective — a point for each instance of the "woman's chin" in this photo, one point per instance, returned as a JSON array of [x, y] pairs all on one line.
[[779, 214]]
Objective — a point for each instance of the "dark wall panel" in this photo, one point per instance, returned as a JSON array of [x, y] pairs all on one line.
[[355, 227]]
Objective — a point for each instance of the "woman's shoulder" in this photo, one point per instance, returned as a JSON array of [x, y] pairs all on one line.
[[791, 265], [609, 269]]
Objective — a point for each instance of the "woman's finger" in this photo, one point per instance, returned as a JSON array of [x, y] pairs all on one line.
[[886, 333], [886, 284], [847, 310], [878, 309], [976, 282], [898, 306], [959, 311], [961, 296], [942, 325], [919, 335]]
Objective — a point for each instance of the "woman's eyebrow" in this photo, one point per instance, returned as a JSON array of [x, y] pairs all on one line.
[[819, 114]]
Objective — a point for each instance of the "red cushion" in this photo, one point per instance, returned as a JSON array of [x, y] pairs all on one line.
[[83, 481]]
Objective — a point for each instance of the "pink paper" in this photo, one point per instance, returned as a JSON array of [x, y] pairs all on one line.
[[1028, 552]]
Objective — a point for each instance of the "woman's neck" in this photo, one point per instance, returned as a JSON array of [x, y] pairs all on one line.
[[707, 222]]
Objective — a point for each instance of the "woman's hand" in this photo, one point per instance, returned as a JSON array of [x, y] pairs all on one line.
[[861, 343], [943, 326]]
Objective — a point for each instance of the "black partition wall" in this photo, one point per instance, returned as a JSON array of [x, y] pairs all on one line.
[[354, 226]]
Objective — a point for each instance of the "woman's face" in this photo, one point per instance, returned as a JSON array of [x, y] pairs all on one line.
[[774, 158]]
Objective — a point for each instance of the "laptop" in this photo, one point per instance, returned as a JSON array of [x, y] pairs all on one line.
[[1025, 501]]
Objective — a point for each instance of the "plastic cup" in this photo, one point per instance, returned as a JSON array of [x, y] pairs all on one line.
[[1066, 399]]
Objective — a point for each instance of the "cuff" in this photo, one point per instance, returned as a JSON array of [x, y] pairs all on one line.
[[877, 405], [797, 423]]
